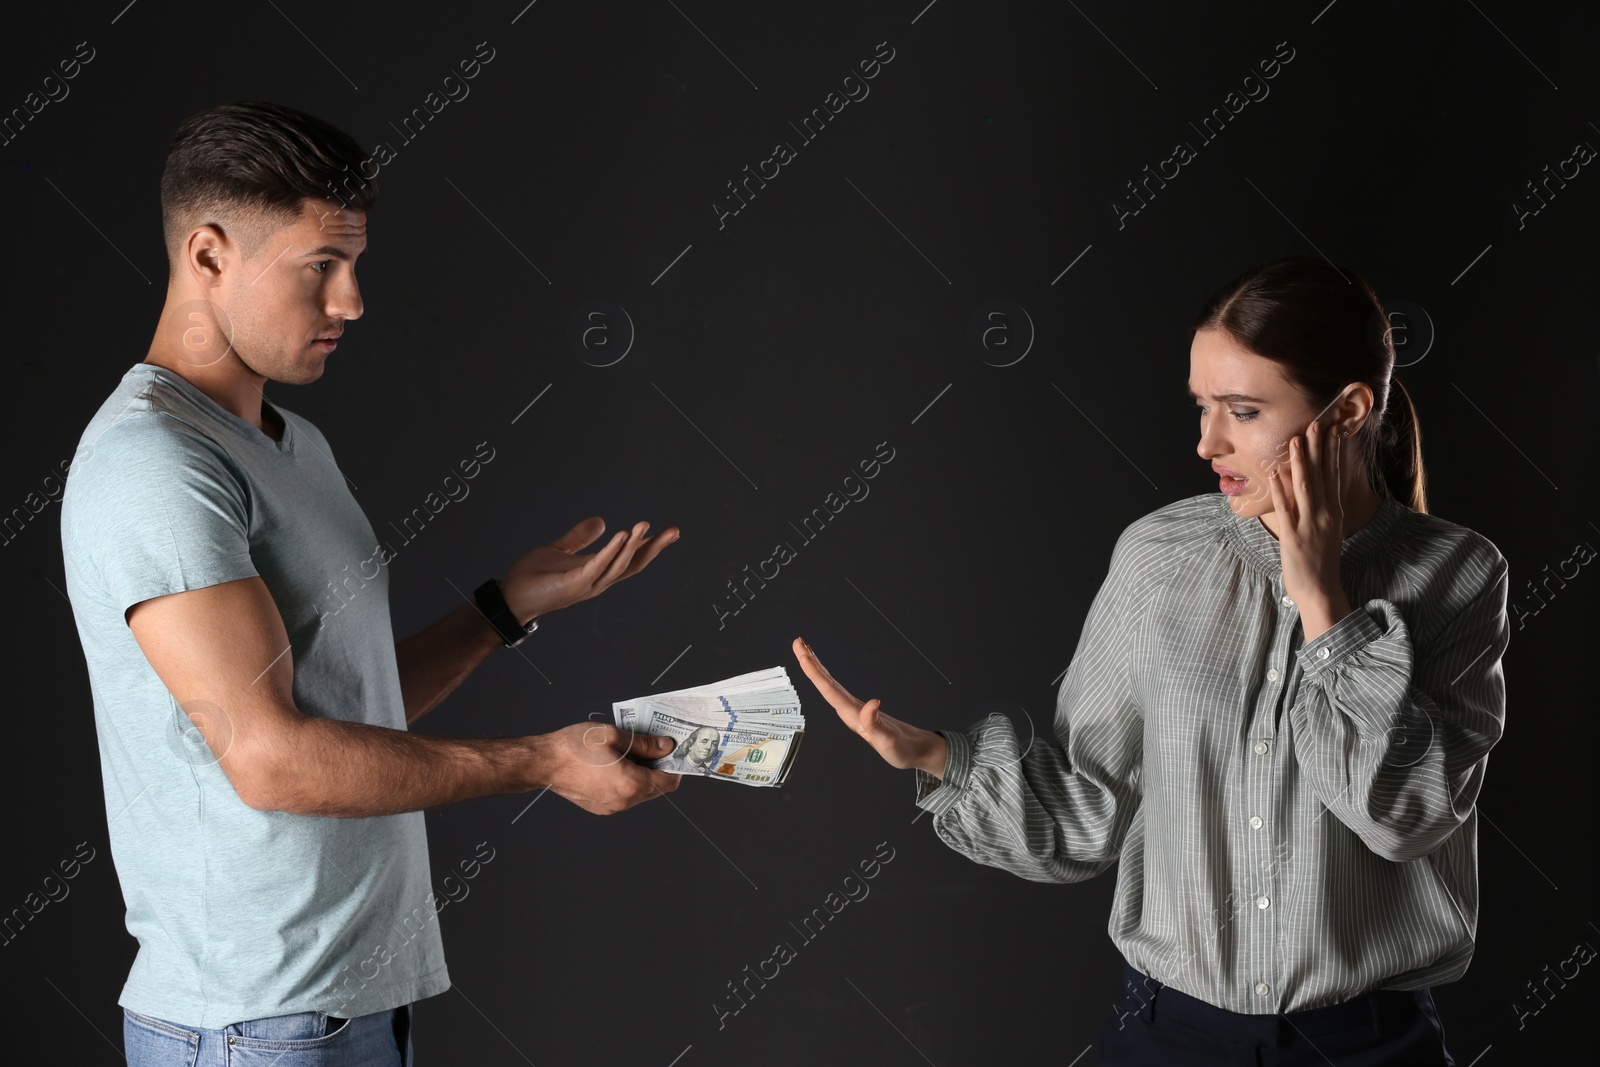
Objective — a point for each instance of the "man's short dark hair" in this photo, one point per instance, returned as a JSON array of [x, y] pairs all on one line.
[[247, 167]]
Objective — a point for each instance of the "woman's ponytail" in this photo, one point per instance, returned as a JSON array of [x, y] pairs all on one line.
[[1399, 451]]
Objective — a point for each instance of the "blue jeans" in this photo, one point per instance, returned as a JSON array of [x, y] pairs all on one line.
[[303, 1039]]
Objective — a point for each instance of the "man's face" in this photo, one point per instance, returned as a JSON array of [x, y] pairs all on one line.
[[299, 286]]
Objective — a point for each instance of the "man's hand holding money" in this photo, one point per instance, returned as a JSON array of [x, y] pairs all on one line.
[[592, 765]]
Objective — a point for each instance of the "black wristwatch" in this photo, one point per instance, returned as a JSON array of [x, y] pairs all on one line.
[[492, 603]]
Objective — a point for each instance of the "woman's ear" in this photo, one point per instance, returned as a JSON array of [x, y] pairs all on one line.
[[1351, 408]]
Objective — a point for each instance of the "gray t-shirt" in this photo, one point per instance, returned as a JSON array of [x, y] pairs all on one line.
[[240, 914]]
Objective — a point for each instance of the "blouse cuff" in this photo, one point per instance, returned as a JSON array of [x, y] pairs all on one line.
[[939, 795], [1323, 653]]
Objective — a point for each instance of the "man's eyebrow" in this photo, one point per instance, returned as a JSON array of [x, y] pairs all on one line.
[[329, 250], [1226, 398]]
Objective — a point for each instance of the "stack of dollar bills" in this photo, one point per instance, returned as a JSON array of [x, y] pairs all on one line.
[[746, 729]]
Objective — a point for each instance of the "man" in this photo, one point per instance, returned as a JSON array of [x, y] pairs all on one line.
[[276, 875]]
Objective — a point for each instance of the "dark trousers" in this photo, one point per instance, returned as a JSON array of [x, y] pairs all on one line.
[[1154, 1025]]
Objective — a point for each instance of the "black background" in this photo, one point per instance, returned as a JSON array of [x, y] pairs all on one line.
[[829, 316]]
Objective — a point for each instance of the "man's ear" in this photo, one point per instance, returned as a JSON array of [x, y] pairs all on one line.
[[205, 253]]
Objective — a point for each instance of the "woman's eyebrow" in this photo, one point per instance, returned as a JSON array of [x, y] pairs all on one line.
[[1227, 398]]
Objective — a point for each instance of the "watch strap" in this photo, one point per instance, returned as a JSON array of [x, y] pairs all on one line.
[[492, 603]]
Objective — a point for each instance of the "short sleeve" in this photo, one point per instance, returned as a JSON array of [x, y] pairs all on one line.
[[158, 508]]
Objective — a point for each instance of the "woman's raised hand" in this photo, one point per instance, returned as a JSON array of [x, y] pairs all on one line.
[[900, 744]]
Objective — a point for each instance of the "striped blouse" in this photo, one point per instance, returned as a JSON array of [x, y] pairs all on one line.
[[1295, 821]]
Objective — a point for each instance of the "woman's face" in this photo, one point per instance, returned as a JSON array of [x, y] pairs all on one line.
[[1248, 412]]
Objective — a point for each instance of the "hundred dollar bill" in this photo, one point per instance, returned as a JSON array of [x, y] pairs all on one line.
[[747, 728], [755, 752], [767, 690]]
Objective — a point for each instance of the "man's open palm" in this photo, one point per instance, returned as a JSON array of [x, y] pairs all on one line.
[[556, 575]]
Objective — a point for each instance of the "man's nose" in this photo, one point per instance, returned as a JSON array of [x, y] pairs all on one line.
[[346, 302]]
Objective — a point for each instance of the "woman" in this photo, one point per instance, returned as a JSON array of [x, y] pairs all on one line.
[[1277, 717]]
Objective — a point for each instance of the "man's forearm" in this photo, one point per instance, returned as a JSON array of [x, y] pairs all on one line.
[[330, 767], [436, 660]]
